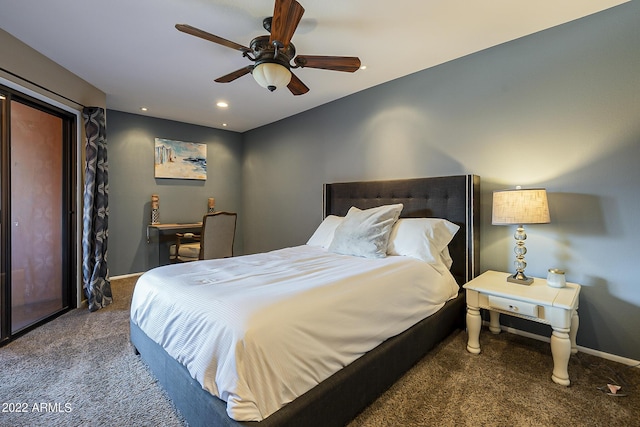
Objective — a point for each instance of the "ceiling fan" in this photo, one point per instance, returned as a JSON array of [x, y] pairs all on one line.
[[272, 54]]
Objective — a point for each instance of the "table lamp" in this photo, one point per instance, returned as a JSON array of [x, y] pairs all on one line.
[[520, 206]]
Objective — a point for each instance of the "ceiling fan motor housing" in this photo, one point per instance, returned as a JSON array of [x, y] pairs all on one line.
[[263, 51], [272, 64]]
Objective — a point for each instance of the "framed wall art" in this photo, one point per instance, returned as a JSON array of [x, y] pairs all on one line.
[[180, 160]]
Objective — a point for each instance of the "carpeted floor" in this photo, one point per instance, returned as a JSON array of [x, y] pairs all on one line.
[[80, 370]]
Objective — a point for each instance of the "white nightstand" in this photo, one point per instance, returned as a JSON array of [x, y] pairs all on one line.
[[538, 302]]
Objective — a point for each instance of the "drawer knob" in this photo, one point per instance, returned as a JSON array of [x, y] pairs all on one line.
[[513, 308]]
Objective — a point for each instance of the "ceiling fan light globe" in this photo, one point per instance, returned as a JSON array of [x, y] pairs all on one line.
[[271, 75]]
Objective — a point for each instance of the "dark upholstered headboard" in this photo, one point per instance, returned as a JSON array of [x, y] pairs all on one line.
[[455, 198]]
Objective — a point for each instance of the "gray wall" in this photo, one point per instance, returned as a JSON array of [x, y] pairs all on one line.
[[557, 109], [24, 61], [130, 141]]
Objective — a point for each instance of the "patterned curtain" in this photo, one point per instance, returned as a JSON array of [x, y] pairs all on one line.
[[95, 217]]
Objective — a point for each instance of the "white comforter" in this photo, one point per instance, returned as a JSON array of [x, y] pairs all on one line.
[[259, 330]]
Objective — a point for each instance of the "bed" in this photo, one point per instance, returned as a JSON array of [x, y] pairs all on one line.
[[339, 397]]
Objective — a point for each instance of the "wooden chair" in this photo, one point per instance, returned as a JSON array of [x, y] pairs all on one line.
[[215, 241]]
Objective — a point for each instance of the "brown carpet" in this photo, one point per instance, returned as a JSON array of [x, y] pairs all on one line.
[[80, 370], [508, 384]]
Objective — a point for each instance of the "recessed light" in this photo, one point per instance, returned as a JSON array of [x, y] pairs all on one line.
[[222, 104], [143, 109], [224, 125], [363, 67]]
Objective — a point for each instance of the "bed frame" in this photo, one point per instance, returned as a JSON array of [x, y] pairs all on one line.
[[341, 397]]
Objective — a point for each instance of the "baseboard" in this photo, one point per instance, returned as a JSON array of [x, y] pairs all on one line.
[[124, 276], [598, 353]]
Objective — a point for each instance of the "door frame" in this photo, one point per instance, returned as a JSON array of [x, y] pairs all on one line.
[[71, 244]]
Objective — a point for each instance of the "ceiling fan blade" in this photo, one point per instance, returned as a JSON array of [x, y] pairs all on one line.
[[335, 63], [234, 75], [210, 37], [286, 17], [296, 86]]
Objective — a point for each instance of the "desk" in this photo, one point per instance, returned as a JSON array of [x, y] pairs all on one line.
[[162, 236], [537, 302]]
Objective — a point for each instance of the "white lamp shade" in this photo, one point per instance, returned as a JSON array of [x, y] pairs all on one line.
[[520, 206], [271, 75]]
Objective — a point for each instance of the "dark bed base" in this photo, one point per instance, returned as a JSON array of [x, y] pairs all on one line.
[[338, 400], [332, 403]]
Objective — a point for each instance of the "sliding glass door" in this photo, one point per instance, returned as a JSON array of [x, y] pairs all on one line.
[[38, 232]]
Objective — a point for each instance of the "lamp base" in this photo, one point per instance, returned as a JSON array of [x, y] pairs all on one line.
[[520, 279]]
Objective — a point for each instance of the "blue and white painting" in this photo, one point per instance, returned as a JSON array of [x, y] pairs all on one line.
[[180, 160]]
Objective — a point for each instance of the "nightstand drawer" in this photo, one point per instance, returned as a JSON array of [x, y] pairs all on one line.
[[511, 306]]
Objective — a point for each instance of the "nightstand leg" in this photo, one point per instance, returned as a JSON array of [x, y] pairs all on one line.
[[575, 322], [560, 350], [474, 323], [494, 322]]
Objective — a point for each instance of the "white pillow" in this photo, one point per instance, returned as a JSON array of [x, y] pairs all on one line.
[[423, 238], [445, 256], [365, 233], [324, 233]]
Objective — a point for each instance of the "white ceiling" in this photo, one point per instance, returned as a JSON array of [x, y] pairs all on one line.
[[130, 49]]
